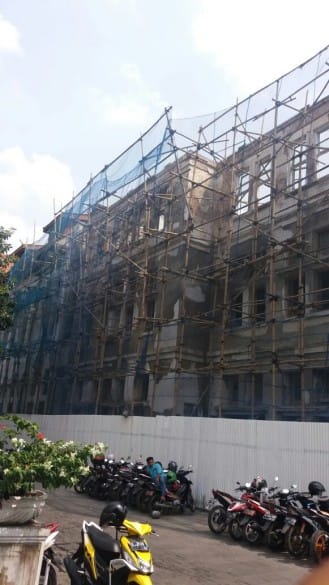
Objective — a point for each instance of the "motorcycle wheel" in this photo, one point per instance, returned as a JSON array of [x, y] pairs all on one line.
[[252, 533], [235, 530], [78, 488], [274, 539], [319, 545], [190, 502], [141, 501], [297, 542], [152, 504], [72, 571], [217, 519]]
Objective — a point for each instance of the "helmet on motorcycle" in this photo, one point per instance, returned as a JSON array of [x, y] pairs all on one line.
[[172, 466], [113, 514], [316, 488], [259, 483], [171, 476]]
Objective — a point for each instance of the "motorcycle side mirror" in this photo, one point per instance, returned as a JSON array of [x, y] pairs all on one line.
[[238, 483], [294, 486], [276, 478]]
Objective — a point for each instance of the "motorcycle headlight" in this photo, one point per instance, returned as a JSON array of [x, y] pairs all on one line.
[[145, 567], [139, 545], [137, 564]]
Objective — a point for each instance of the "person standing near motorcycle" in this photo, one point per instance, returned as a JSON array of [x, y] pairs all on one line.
[[155, 471]]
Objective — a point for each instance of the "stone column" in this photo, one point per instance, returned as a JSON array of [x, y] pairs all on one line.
[[21, 550]]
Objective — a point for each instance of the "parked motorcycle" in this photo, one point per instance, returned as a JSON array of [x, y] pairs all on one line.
[[184, 488], [248, 507], [106, 560], [178, 496], [218, 515], [273, 517], [48, 575], [308, 522]]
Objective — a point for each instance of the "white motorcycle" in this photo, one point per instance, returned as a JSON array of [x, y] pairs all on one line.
[[48, 575]]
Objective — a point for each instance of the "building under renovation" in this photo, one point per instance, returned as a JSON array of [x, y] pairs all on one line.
[[191, 275]]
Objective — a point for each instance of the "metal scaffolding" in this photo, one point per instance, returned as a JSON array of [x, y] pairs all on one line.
[[191, 275]]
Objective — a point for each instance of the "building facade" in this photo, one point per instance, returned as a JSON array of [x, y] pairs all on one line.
[[195, 283]]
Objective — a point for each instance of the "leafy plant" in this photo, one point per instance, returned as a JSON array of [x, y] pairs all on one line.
[[27, 458], [6, 260]]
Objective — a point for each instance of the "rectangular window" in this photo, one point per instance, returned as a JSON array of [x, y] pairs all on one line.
[[260, 303], [258, 396], [189, 409], [323, 243], [105, 397], [242, 202], [141, 387], [299, 165], [323, 153], [291, 388], [264, 182], [140, 232], [254, 394], [113, 320], [161, 222], [321, 300], [232, 387], [235, 314], [320, 386], [294, 297]]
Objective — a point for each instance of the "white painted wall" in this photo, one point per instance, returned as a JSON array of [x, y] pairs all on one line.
[[222, 451]]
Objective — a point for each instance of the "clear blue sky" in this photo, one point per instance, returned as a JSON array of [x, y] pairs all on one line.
[[82, 79]]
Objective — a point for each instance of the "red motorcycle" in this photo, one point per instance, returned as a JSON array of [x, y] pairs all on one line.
[[219, 516], [249, 507]]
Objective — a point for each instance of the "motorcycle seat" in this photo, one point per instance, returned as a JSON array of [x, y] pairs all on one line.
[[107, 546], [323, 502]]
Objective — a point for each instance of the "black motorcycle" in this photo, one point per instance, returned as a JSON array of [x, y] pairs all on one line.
[[177, 498]]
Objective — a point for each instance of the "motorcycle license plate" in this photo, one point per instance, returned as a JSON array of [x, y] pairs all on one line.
[[149, 493], [249, 512]]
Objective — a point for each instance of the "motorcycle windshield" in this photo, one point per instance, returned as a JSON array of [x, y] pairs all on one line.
[[138, 528]]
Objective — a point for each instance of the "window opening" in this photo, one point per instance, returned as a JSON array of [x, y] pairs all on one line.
[[243, 193], [299, 165], [322, 290], [161, 222], [260, 303], [323, 153], [291, 388], [264, 182], [236, 311]]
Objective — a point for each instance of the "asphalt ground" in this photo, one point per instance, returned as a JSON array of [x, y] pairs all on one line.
[[184, 550]]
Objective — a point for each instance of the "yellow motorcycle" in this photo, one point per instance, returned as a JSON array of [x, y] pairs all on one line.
[[102, 559]]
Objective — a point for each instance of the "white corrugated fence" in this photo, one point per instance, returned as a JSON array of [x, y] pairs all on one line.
[[221, 451]]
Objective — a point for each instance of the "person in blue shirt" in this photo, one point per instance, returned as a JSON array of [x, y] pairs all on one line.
[[155, 471]]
